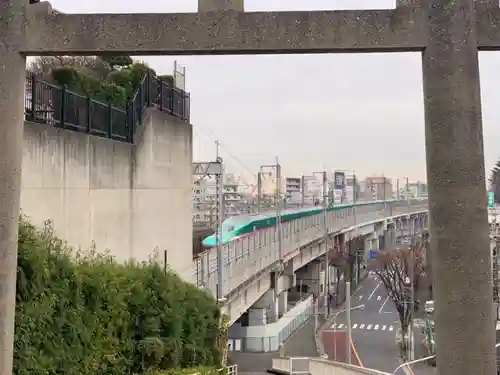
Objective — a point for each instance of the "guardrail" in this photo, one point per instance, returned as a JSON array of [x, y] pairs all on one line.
[[317, 366]]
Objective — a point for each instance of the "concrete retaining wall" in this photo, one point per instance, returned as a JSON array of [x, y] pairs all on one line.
[[134, 200]]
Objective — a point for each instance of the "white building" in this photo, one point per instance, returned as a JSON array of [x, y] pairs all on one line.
[[293, 194]]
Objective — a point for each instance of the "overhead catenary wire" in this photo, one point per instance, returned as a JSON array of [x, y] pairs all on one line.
[[212, 136]]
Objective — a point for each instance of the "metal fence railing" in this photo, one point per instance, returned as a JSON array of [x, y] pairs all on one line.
[[272, 343], [55, 105]]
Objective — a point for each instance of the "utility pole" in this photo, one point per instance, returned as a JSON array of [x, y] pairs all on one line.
[[302, 191], [354, 192], [325, 237], [397, 188], [278, 208], [259, 190], [407, 193], [354, 200], [219, 186], [411, 232], [384, 190], [219, 178], [277, 169]]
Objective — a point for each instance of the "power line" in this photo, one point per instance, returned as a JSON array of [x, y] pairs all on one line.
[[212, 135]]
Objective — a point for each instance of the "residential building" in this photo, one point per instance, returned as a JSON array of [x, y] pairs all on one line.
[[205, 200], [293, 190], [377, 188]]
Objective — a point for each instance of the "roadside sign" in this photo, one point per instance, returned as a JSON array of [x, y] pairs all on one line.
[[373, 254], [491, 198]]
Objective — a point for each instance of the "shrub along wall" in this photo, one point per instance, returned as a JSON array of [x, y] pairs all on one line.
[[83, 313]]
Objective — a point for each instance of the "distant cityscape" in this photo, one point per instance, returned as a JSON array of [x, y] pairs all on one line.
[[341, 188]]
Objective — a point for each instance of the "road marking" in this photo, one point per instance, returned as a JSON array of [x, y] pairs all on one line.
[[369, 327], [384, 327], [391, 328], [381, 307], [362, 326], [354, 326], [360, 297], [355, 352], [340, 326], [379, 298], [374, 290], [376, 327]]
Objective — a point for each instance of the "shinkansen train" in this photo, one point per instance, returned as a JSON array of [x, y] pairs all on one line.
[[241, 225]]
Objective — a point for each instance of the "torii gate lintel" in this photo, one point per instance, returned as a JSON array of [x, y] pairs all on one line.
[[449, 32]]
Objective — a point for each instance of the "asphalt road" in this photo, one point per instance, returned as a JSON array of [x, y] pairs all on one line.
[[373, 326]]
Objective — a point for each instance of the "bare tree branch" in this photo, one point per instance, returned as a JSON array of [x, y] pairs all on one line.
[[398, 267]]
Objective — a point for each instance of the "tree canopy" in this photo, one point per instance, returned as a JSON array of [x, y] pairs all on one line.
[[398, 268], [110, 79]]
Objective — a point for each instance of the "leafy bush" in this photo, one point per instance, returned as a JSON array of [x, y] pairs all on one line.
[[117, 89], [83, 313]]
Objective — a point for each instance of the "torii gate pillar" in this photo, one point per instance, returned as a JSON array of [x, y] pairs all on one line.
[[12, 82], [457, 193]]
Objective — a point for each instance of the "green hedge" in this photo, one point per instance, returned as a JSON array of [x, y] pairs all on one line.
[[84, 314]]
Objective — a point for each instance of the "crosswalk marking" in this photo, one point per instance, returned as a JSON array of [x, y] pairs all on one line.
[[366, 327]]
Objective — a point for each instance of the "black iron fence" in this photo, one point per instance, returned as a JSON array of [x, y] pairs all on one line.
[[55, 105]]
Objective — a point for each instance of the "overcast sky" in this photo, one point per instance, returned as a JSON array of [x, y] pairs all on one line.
[[361, 112]]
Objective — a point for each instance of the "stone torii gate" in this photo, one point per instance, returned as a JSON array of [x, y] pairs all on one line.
[[448, 33]]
